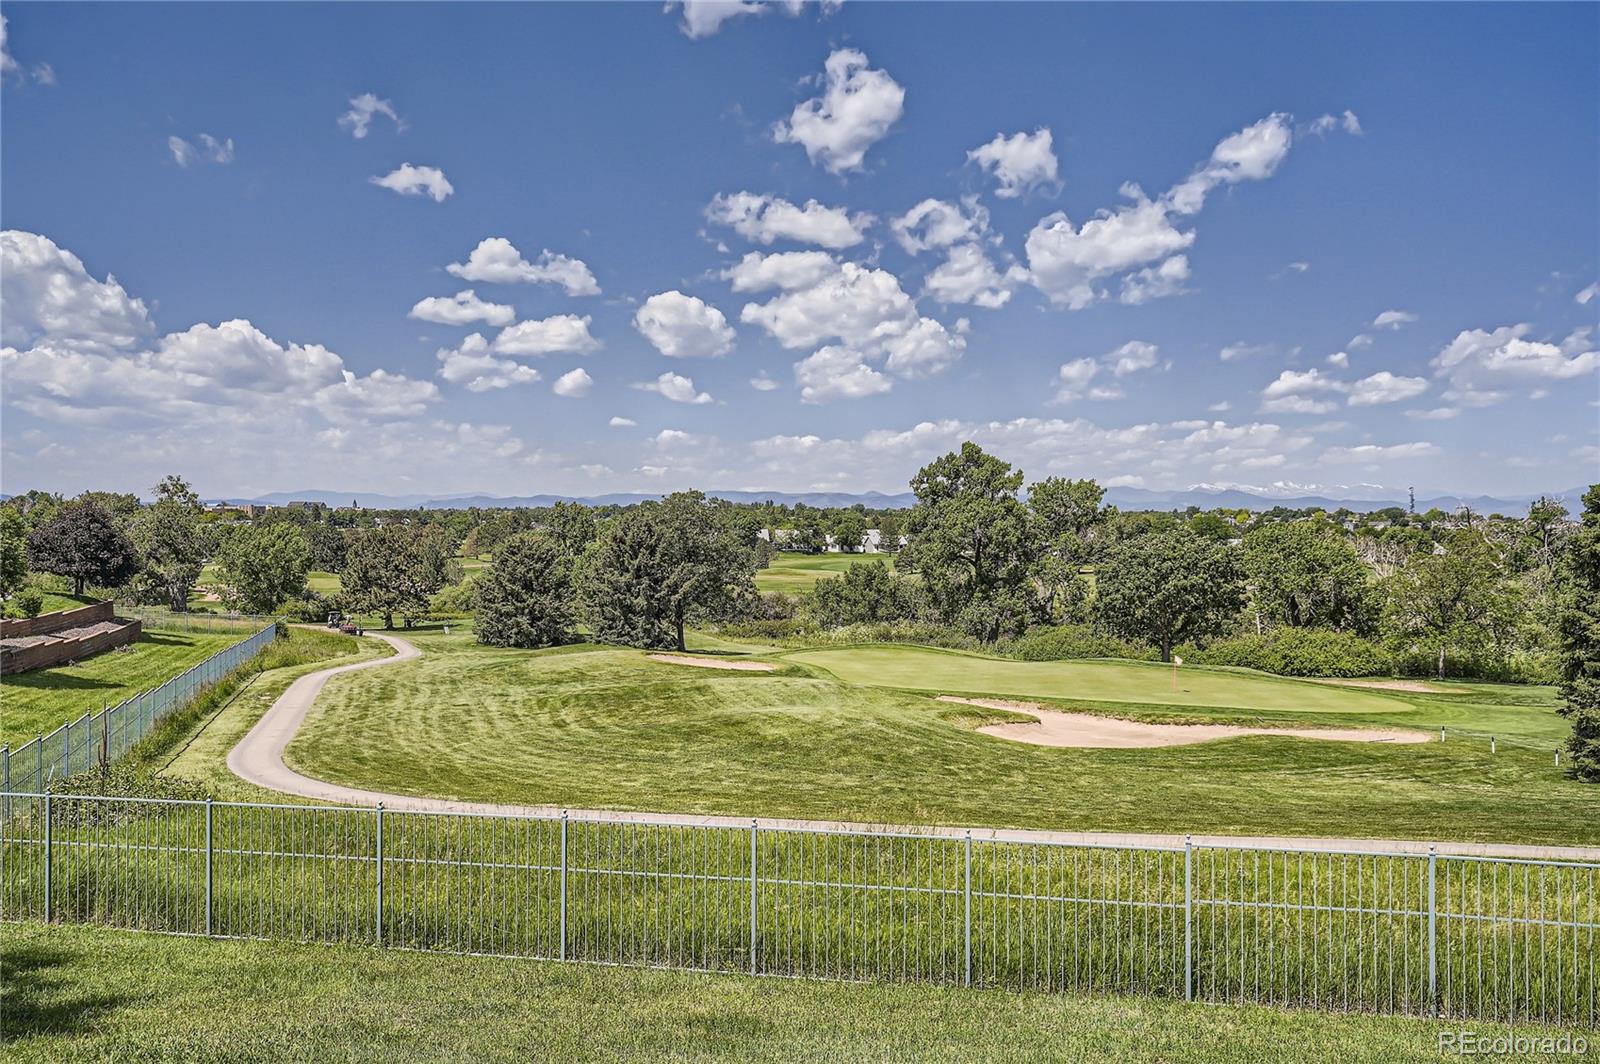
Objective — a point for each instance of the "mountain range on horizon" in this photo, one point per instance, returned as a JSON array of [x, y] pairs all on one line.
[[1127, 498]]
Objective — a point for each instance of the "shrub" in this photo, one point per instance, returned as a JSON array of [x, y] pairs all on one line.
[[28, 602], [118, 780], [1298, 652], [1059, 642], [310, 608]]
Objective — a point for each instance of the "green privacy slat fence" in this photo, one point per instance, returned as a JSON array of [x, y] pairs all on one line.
[[1460, 937], [108, 734]]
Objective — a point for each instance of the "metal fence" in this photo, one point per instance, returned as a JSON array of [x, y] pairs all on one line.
[[108, 734], [1460, 937], [168, 620]]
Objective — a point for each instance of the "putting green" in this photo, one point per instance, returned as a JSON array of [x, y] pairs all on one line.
[[926, 669]]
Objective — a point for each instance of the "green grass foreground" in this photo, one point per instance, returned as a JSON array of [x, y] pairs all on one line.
[[601, 727], [89, 994], [37, 702]]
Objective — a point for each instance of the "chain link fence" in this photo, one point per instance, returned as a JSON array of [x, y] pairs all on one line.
[[1467, 938], [106, 735]]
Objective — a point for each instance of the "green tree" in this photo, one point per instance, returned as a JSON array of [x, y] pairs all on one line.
[[1068, 519], [865, 593], [172, 540], [891, 526], [849, 528], [808, 535], [262, 565], [1580, 641], [653, 564], [970, 539], [83, 542], [573, 524], [1307, 575], [1168, 587], [397, 568], [1452, 600], [13, 550], [524, 598]]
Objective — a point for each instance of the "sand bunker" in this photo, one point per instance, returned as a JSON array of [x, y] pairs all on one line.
[[713, 663], [1055, 728], [1417, 687]]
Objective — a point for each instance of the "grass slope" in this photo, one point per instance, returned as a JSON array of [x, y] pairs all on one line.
[[797, 573], [37, 702], [88, 994], [596, 727]]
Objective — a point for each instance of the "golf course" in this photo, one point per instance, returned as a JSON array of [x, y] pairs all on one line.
[[857, 734]]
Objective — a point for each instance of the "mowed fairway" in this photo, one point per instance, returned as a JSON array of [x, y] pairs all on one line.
[[591, 727], [940, 671], [800, 572], [37, 702]]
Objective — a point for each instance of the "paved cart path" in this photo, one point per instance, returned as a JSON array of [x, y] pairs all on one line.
[[258, 759]]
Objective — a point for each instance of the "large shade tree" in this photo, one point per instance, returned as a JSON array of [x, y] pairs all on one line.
[[1580, 642], [1453, 600], [1305, 574], [524, 598], [82, 542], [653, 564], [172, 540], [396, 569], [1168, 587], [260, 566], [1068, 518], [970, 539], [13, 550]]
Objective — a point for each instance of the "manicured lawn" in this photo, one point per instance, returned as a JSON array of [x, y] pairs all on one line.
[[597, 727], [925, 669], [796, 573], [37, 702], [89, 994], [54, 601]]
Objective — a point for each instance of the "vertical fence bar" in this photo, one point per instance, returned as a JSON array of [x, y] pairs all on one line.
[[753, 830], [38, 750], [1188, 918], [5, 810], [49, 847], [209, 855], [562, 955], [377, 919], [966, 890], [1433, 937]]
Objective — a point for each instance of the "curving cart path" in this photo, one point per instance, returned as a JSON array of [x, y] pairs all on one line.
[[258, 759]]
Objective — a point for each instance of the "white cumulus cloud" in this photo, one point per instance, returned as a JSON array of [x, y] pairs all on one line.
[[684, 326], [676, 387], [411, 180], [497, 261], [463, 308], [557, 334], [764, 219], [574, 384], [1019, 163], [857, 107], [363, 109]]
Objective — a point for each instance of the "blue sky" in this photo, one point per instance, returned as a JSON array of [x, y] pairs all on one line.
[[1338, 248]]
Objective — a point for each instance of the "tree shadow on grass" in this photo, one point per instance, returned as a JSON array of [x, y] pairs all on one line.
[[57, 679], [41, 997]]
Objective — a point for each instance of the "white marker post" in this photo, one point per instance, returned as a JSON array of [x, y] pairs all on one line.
[[1176, 661]]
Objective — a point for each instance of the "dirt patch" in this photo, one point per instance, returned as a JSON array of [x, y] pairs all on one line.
[[1416, 687], [713, 663], [1085, 730]]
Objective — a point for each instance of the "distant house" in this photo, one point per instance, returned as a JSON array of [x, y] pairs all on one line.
[[314, 508]]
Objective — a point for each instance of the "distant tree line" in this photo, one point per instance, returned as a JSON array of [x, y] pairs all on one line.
[[1037, 569]]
